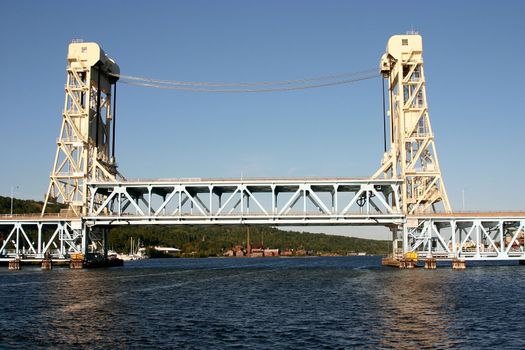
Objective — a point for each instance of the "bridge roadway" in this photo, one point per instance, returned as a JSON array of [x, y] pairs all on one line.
[[275, 202]]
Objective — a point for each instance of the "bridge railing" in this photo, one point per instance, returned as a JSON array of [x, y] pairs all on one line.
[[38, 216]]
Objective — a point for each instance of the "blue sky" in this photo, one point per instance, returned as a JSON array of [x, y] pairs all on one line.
[[474, 68]]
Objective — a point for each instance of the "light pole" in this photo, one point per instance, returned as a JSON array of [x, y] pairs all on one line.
[[12, 196]]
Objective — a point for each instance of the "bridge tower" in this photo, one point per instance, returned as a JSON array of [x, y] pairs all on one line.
[[412, 156], [86, 134]]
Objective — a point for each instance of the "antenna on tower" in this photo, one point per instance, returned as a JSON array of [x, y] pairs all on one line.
[[412, 31]]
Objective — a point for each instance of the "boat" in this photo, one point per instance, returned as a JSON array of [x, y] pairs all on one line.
[[135, 253]]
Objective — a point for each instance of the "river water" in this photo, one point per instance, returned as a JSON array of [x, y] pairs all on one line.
[[284, 303]]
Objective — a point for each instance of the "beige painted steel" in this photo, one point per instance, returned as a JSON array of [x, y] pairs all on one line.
[[83, 148], [82, 156], [412, 156]]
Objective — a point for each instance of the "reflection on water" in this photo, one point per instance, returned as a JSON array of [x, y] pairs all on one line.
[[416, 310], [312, 303]]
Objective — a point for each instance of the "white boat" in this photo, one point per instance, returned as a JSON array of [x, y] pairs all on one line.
[[135, 253]]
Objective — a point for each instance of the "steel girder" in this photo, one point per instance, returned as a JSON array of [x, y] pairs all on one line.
[[490, 237], [274, 202], [39, 238]]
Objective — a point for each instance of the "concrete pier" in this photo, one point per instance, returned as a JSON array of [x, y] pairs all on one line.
[[407, 263], [430, 264], [388, 261], [14, 265], [459, 264], [77, 261], [76, 264], [47, 264]]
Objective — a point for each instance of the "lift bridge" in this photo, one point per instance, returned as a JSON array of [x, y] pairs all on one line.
[[406, 194]]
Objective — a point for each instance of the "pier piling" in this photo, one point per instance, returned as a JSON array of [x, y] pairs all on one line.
[[459, 264], [430, 264], [47, 264], [14, 265]]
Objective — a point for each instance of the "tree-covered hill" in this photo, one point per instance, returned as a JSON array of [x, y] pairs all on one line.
[[25, 206], [214, 240]]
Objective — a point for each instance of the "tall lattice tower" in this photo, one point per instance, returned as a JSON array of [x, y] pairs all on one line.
[[412, 155], [86, 135]]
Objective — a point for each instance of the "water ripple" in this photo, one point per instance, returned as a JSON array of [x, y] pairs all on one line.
[[321, 303]]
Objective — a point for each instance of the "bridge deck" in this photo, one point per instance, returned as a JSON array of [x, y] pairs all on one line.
[[38, 217], [471, 215], [268, 201]]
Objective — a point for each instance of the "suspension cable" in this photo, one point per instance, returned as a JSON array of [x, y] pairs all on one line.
[[300, 84], [384, 112], [246, 84]]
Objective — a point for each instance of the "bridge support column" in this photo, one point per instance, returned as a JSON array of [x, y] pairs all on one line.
[[407, 263], [459, 264], [47, 264], [39, 240], [77, 261], [105, 242], [398, 236], [430, 264], [14, 265]]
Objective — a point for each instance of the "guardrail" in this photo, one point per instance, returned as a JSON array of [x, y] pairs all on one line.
[[37, 215]]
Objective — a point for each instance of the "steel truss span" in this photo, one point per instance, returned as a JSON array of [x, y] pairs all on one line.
[[247, 201], [38, 238], [489, 236]]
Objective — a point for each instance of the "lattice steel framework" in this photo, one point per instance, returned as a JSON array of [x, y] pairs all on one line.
[[489, 236], [83, 147], [412, 156], [248, 201], [38, 238]]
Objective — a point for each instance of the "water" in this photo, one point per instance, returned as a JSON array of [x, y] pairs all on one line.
[[313, 303]]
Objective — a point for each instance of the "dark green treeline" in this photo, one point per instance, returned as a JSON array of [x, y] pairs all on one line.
[[215, 240]]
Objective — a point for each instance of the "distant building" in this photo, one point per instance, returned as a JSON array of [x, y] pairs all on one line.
[[229, 253], [257, 252], [260, 251], [168, 250], [287, 252], [236, 251], [301, 252], [271, 252]]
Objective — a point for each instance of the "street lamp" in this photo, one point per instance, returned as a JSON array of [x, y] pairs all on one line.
[[12, 196]]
